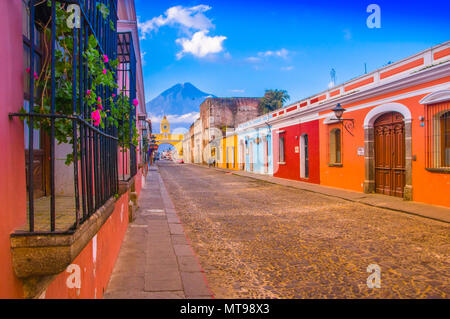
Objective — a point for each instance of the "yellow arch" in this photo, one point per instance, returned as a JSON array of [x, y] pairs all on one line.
[[175, 140]]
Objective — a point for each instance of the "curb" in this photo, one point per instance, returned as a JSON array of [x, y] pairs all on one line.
[[256, 177]]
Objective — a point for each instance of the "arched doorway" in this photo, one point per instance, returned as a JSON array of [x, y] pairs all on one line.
[[370, 184], [390, 156]]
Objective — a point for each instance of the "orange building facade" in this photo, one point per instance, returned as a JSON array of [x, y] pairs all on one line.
[[393, 137]]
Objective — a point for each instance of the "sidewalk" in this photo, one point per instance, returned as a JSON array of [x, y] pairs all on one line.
[[438, 213], [156, 260]]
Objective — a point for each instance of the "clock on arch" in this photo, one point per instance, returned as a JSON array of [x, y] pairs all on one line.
[[165, 126]]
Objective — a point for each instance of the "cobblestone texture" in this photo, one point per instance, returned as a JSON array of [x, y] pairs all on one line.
[[261, 240]]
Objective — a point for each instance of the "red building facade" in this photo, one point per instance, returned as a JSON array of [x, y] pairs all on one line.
[[301, 151]]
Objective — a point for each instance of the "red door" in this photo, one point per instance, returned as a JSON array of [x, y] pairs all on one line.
[[390, 154]]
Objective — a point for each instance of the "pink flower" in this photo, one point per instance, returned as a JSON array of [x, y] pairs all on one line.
[[36, 76], [100, 106], [99, 99], [135, 102], [104, 71], [96, 117], [105, 58], [28, 70], [113, 95], [88, 92]]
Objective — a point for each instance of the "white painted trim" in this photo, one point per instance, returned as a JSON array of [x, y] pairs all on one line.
[[436, 97], [307, 114], [385, 108], [390, 99]]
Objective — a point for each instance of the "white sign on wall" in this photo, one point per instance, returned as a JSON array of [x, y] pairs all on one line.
[[360, 151]]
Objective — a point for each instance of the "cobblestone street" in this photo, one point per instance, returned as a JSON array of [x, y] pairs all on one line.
[[260, 240]]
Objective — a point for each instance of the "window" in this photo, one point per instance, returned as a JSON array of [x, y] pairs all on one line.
[[39, 147], [336, 146], [282, 149], [438, 136], [50, 108]]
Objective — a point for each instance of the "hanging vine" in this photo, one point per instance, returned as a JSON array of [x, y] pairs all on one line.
[[101, 70]]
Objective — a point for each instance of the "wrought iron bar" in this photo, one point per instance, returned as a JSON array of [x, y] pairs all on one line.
[[94, 149], [31, 122]]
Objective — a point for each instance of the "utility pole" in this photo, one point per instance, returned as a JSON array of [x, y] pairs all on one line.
[[333, 76]]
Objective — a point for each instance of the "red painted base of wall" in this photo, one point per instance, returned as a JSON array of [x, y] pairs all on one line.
[[88, 276]]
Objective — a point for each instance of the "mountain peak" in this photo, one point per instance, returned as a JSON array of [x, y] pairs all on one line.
[[180, 99]]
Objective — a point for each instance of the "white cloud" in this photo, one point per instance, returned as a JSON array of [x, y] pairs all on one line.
[[188, 18], [187, 118], [261, 56], [143, 53], [253, 59], [194, 23], [200, 45], [237, 91], [180, 130], [283, 53], [287, 68]]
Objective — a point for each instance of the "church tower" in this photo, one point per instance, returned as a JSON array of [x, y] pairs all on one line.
[[165, 126]]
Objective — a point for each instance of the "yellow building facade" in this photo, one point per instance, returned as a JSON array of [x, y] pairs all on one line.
[[227, 157]]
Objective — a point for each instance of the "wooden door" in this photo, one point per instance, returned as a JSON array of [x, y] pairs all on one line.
[[390, 154], [41, 166]]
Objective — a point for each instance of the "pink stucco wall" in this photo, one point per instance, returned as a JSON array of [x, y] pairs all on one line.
[[12, 165], [13, 185]]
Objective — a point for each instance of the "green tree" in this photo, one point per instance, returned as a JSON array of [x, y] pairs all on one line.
[[272, 100]]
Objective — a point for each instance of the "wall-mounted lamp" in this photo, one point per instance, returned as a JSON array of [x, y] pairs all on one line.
[[349, 124], [338, 111]]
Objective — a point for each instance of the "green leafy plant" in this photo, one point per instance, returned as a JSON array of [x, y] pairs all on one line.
[[272, 100], [101, 72]]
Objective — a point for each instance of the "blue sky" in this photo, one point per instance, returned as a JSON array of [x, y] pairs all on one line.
[[242, 48]]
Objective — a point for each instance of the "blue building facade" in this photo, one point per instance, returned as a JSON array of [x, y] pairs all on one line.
[[255, 151]]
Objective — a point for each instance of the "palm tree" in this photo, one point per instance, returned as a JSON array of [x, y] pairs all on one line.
[[272, 100]]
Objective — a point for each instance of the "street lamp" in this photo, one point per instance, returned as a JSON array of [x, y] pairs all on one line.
[[338, 111], [348, 124]]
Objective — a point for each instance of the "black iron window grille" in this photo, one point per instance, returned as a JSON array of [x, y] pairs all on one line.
[[144, 140], [437, 119], [58, 99], [127, 85]]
